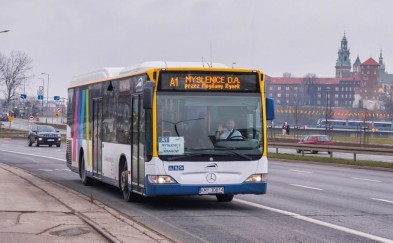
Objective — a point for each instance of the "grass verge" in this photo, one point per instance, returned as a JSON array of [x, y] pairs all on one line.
[[338, 161]]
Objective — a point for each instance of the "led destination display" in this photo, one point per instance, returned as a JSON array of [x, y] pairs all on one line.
[[208, 81]]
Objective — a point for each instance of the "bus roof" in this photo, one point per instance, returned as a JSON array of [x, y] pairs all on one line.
[[109, 72], [164, 64]]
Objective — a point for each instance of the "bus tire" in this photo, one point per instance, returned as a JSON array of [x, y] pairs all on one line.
[[224, 197], [128, 195], [87, 181]]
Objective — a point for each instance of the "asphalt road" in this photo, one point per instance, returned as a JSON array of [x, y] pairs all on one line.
[[304, 203]]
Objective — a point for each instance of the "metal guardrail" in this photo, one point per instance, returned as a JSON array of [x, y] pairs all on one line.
[[332, 149], [19, 134]]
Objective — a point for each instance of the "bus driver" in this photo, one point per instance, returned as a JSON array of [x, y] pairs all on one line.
[[229, 132]]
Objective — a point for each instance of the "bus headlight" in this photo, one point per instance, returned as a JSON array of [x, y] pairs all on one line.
[[257, 178], [161, 179]]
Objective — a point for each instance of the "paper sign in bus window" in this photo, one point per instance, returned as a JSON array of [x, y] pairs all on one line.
[[171, 145]]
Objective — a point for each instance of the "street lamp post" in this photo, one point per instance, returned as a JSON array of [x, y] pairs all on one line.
[[42, 103], [47, 95], [326, 111]]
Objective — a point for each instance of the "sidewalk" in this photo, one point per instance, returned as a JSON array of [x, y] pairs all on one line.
[[35, 210]]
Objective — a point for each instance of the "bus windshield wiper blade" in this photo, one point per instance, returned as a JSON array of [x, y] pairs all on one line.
[[240, 155], [187, 156], [234, 148]]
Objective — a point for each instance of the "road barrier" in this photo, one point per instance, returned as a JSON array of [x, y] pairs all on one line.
[[18, 134], [332, 149]]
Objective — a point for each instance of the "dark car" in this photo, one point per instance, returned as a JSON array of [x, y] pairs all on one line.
[[43, 135], [315, 140], [4, 117]]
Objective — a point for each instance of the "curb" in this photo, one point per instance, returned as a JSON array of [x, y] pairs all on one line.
[[88, 206]]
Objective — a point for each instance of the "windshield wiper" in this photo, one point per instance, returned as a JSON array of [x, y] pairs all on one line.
[[209, 154], [220, 147], [187, 156], [240, 155]]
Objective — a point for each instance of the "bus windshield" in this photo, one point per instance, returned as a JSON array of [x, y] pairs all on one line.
[[197, 126]]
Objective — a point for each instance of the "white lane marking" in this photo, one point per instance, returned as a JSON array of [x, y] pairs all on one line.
[[302, 171], [364, 179], [308, 187], [62, 169], [382, 200], [316, 221], [9, 151], [45, 169]]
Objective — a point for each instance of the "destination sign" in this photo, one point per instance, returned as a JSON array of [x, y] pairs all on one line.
[[209, 81]]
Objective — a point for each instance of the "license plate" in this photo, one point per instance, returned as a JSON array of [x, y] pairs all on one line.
[[211, 190], [51, 140]]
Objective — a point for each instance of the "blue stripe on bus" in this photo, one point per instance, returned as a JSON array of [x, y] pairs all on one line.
[[178, 189]]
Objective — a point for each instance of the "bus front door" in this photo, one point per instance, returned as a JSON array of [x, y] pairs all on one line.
[[137, 144], [97, 135]]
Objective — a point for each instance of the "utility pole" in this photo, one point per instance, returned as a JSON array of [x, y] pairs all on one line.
[[326, 111], [47, 95]]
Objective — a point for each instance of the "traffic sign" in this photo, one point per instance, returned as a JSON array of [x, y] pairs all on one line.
[[56, 97], [40, 97], [23, 96]]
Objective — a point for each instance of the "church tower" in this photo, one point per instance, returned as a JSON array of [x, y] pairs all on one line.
[[381, 64], [343, 63]]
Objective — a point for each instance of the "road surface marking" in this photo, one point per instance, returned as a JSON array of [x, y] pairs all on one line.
[[364, 179], [45, 169], [302, 171], [308, 187], [36, 155], [318, 222], [62, 169], [382, 200]]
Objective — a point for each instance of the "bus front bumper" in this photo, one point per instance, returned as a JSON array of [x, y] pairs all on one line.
[[153, 190]]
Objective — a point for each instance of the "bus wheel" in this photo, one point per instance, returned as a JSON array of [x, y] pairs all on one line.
[[127, 194], [87, 181], [224, 197]]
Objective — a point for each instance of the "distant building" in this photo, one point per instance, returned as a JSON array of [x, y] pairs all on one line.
[[313, 92], [360, 88], [367, 95]]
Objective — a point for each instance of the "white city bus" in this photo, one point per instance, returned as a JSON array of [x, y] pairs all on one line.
[[151, 129]]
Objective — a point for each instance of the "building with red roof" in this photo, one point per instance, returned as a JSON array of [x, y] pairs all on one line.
[[350, 92]]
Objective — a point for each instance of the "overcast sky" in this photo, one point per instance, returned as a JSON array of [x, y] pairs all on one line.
[[68, 37]]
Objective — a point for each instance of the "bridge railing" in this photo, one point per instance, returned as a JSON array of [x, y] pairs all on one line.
[[332, 149]]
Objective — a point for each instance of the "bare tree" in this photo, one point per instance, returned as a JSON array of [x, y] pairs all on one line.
[[306, 88], [14, 70]]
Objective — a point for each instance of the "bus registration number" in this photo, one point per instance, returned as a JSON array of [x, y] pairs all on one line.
[[211, 190]]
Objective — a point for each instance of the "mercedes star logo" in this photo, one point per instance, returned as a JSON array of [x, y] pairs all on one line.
[[211, 177]]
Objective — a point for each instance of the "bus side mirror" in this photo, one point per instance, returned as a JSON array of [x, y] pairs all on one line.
[[269, 109], [148, 90]]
